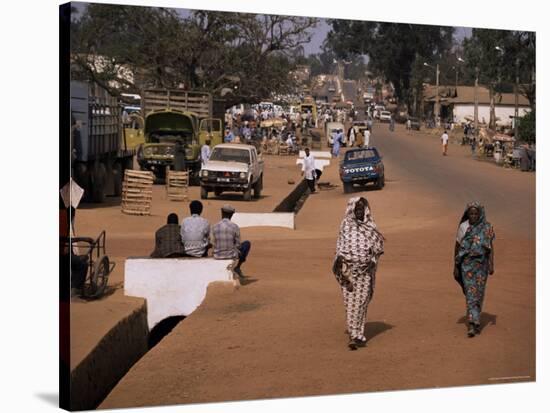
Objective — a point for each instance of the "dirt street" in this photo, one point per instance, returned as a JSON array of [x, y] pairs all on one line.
[[283, 334]]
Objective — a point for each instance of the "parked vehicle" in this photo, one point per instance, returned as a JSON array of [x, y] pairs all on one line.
[[233, 167], [100, 150], [360, 167], [330, 127], [176, 116], [415, 123], [309, 106], [385, 116]]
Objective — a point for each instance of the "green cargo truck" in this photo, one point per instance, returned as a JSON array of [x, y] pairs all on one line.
[[173, 116]]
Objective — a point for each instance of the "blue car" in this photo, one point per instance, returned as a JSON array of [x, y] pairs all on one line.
[[362, 166]]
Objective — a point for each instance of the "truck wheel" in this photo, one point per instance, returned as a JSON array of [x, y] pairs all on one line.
[[204, 193], [81, 177], [380, 182], [348, 187], [247, 194], [128, 163], [99, 175], [258, 187], [117, 179]]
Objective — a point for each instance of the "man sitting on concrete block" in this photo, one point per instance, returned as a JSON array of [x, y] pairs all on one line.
[[195, 232], [167, 239], [227, 240]]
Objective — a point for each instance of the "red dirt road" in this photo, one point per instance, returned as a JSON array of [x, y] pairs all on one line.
[[283, 334]]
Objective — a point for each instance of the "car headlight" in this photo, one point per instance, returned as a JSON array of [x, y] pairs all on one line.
[[243, 175], [147, 151], [204, 173]]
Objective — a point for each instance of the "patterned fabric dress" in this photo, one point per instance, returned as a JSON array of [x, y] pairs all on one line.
[[359, 244], [473, 262]]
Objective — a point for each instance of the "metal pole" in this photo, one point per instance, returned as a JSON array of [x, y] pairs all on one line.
[[516, 99], [436, 109], [476, 101]]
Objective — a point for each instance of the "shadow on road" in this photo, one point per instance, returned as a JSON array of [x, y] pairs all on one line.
[[485, 320], [247, 280], [375, 328]]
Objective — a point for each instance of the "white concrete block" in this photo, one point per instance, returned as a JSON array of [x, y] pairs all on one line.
[[316, 154], [271, 219], [172, 286]]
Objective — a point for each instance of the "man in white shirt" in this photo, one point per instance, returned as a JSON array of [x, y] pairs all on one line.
[[444, 142], [308, 170], [205, 152], [367, 138]]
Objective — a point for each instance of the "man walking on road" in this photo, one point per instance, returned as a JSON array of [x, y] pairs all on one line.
[[444, 142], [308, 170], [205, 152], [367, 138], [227, 240]]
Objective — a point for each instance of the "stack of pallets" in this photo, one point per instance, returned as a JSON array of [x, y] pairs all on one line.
[[137, 192], [177, 183]]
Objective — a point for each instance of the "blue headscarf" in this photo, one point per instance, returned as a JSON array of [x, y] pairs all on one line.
[[479, 236]]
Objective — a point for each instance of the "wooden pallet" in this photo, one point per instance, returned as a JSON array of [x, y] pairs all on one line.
[[177, 183], [137, 192]]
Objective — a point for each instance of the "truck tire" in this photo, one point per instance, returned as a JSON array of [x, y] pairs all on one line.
[[348, 187], [128, 164], [204, 193], [380, 182], [258, 187], [117, 179], [247, 194], [99, 178], [82, 177]]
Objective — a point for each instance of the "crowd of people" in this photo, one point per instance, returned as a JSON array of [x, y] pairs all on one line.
[[194, 237]]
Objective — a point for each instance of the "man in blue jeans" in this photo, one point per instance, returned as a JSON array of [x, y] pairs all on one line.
[[227, 240]]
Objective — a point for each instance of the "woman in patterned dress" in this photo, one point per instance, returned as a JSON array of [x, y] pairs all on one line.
[[358, 249], [474, 261]]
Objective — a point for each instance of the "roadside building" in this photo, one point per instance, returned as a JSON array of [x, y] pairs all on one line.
[[457, 103]]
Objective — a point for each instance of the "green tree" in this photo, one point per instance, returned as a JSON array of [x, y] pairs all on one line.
[[527, 130], [481, 54], [392, 48], [212, 51]]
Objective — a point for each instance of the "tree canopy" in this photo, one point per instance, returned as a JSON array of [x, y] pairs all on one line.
[[207, 50], [392, 48]]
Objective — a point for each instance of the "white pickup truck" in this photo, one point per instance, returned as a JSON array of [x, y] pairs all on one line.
[[233, 167]]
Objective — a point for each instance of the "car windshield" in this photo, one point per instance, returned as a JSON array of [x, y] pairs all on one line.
[[361, 155], [230, 155]]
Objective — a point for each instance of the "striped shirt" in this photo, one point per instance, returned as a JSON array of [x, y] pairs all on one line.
[[227, 239], [195, 234]]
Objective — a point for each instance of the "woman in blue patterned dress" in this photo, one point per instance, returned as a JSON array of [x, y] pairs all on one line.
[[358, 249], [474, 261]]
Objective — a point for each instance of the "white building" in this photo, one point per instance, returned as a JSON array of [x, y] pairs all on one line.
[[457, 103]]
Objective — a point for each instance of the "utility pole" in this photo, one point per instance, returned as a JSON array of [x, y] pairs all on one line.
[[436, 108], [476, 101], [516, 101]]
